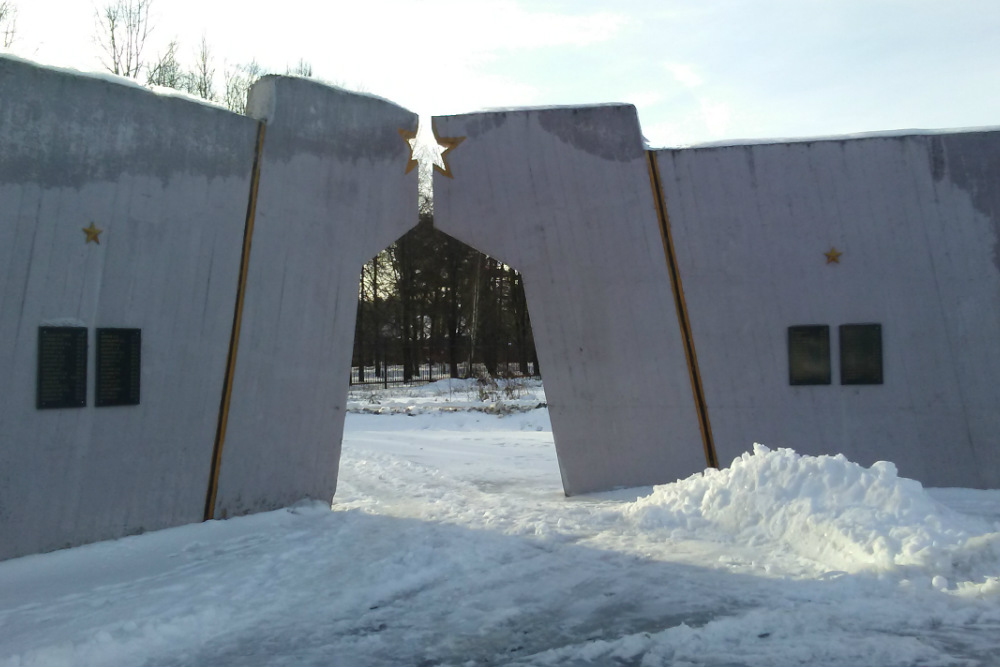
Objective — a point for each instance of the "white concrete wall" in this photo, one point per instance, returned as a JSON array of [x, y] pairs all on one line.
[[563, 195], [917, 219], [167, 180], [333, 193]]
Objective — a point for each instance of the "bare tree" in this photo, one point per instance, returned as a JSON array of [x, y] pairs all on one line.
[[301, 68], [8, 23], [167, 71], [238, 81], [202, 78], [122, 29]]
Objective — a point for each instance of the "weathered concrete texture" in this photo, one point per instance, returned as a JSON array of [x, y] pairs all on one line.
[[333, 193], [917, 219], [167, 180], [564, 196], [151, 139]]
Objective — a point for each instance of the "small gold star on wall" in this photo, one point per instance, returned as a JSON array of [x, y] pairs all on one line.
[[833, 256], [93, 234]]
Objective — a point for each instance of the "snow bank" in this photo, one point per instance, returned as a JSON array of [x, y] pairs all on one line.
[[499, 396], [451, 543], [851, 136], [128, 82], [842, 515]]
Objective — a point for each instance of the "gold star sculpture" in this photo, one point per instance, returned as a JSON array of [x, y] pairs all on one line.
[[445, 146], [833, 256], [93, 234], [411, 140]]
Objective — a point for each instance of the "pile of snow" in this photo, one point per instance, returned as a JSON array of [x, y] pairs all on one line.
[[842, 515]]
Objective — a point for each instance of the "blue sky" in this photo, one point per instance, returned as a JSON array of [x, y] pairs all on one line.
[[698, 70]]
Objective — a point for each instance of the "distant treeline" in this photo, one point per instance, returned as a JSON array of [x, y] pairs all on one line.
[[430, 299]]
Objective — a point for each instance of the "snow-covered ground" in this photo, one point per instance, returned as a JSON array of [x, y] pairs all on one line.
[[450, 543]]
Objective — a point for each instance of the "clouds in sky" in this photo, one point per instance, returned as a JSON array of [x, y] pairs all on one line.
[[685, 74], [698, 70]]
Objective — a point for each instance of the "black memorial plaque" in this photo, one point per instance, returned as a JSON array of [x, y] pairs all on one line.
[[119, 357], [809, 354], [861, 354], [62, 368]]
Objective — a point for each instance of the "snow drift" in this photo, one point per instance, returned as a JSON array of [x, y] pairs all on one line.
[[837, 513], [451, 543]]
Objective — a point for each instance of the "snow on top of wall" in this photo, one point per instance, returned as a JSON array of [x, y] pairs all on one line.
[[827, 509], [315, 80], [880, 134], [163, 91], [550, 107], [104, 76], [119, 80]]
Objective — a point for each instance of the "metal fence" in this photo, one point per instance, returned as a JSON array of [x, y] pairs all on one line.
[[394, 375]]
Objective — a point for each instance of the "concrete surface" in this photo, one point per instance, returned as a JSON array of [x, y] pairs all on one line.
[[563, 195], [333, 193], [917, 220], [167, 181]]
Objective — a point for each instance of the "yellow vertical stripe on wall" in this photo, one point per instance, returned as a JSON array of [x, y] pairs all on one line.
[[682, 315], [234, 339]]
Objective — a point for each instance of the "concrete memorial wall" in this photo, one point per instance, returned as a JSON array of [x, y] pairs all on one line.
[[123, 221], [178, 290], [563, 195], [902, 232], [162, 185], [833, 296], [334, 191]]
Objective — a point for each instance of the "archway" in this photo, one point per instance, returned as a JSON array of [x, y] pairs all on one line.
[[565, 194], [431, 307]]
